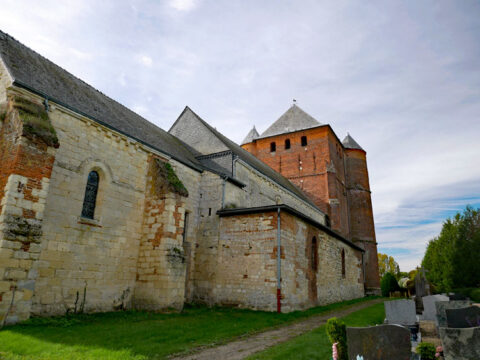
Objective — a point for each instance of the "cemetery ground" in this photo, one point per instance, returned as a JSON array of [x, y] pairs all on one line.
[[141, 335], [315, 344]]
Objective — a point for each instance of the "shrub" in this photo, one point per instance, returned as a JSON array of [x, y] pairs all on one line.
[[426, 351], [388, 284], [337, 333]]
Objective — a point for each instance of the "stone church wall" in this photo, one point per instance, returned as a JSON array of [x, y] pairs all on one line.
[[97, 257], [247, 264]]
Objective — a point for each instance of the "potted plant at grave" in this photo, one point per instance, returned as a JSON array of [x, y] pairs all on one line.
[[337, 334], [426, 351]]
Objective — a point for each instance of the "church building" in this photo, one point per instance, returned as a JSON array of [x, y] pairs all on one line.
[[101, 210]]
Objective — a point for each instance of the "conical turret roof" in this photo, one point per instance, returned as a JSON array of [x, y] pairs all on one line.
[[293, 119], [252, 135], [350, 143]]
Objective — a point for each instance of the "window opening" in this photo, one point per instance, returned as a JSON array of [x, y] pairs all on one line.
[[90, 199]]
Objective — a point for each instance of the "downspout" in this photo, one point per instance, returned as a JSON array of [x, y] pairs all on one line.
[[279, 264]]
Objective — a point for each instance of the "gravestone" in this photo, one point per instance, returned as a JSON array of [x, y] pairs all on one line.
[[461, 344], [422, 288], [463, 318], [442, 305], [429, 310], [455, 296], [400, 312], [382, 342]]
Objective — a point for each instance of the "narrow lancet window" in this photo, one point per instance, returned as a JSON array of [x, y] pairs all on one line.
[[273, 147], [304, 140], [287, 144], [343, 263], [90, 200]]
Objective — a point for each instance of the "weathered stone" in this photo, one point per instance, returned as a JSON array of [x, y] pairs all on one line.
[[401, 312], [429, 310], [382, 342], [452, 304], [464, 317], [461, 344]]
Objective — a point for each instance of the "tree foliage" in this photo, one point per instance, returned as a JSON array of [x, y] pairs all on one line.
[[452, 259], [388, 284], [387, 264]]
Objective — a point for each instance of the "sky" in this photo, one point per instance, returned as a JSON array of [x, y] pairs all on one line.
[[402, 77]]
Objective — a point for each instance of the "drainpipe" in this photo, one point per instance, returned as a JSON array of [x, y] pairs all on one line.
[[279, 267]]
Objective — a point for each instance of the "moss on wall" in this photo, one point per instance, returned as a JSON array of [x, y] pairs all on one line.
[[166, 176], [36, 123]]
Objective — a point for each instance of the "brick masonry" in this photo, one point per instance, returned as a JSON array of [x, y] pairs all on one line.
[[25, 170], [336, 178]]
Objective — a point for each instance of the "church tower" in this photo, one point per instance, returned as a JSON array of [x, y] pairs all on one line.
[[333, 173]]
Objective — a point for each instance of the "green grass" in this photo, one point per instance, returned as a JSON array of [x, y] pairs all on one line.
[[315, 344], [138, 335]]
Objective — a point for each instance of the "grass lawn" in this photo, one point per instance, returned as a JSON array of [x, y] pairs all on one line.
[[138, 335], [315, 344]]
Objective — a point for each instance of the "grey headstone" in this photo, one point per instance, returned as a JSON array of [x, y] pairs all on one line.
[[463, 318], [461, 344], [442, 305], [429, 310], [400, 312], [382, 342], [454, 296]]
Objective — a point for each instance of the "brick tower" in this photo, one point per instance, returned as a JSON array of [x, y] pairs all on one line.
[[333, 173]]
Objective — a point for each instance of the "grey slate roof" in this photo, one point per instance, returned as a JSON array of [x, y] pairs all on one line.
[[350, 143], [252, 135], [38, 74], [293, 119], [254, 162]]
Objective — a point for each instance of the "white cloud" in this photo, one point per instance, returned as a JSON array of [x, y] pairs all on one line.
[[145, 60], [184, 5]]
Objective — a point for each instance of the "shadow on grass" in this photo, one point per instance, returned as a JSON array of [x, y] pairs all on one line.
[[139, 335]]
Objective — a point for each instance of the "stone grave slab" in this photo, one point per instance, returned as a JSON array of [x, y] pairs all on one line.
[[455, 296], [461, 344], [400, 312], [429, 310], [463, 318], [441, 306], [382, 342]]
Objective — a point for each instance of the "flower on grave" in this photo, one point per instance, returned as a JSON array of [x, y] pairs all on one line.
[[359, 357], [439, 352], [334, 351]]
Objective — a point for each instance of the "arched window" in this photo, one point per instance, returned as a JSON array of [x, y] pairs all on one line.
[[343, 263], [287, 144], [314, 254], [304, 141], [273, 147], [88, 210]]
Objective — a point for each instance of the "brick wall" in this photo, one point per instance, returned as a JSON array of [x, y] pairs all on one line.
[[161, 260], [25, 170], [316, 168], [361, 213]]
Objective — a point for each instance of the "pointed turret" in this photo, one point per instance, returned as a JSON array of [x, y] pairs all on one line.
[[350, 143], [293, 119], [252, 135]]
